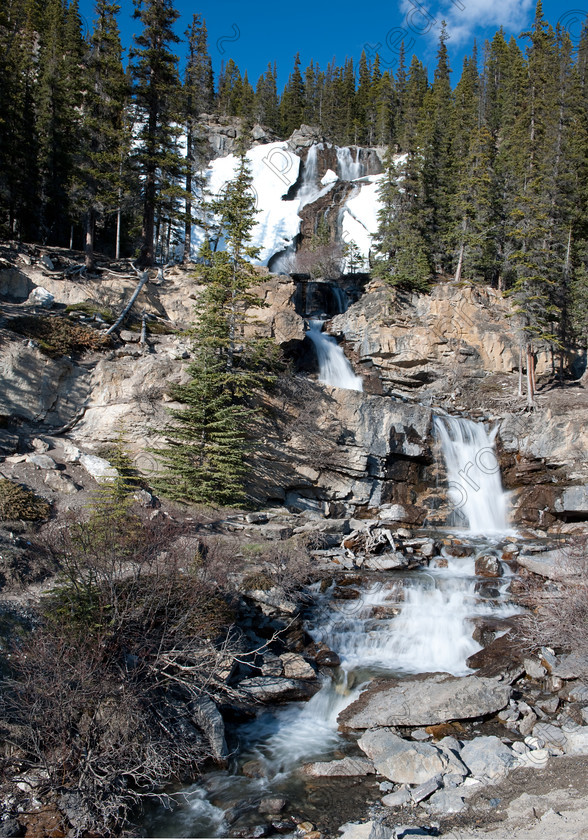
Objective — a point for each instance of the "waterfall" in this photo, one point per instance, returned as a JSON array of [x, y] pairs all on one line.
[[309, 187], [340, 298], [347, 168], [473, 474], [334, 368]]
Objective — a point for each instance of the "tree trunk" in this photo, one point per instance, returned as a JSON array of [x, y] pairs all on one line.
[[147, 256], [89, 240], [188, 225], [144, 277], [530, 378], [118, 220], [520, 370]]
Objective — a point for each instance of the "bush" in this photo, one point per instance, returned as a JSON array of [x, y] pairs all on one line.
[[102, 698], [58, 336], [559, 616], [17, 502]]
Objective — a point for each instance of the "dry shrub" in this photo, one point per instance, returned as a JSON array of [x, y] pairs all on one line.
[[17, 502], [559, 616], [100, 703], [58, 336]]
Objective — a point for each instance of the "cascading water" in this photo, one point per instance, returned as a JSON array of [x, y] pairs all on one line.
[[473, 474], [349, 169], [403, 622], [334, 368], [309, 187]]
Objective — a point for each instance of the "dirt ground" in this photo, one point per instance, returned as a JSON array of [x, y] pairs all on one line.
[[547, 804]]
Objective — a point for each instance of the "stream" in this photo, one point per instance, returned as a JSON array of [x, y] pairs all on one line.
[[403, 622]]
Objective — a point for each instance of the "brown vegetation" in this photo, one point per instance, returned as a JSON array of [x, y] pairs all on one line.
[[99, 708], [58, 336], [17, 502]]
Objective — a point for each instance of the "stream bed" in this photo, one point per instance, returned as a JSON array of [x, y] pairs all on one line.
[[404, 622]]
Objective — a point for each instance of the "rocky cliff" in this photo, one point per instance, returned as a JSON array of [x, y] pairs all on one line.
[[327, 449]]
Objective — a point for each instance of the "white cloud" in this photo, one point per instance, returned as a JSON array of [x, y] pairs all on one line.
[[464, 17]]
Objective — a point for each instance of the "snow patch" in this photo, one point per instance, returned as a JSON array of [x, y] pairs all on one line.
[[274, 169]]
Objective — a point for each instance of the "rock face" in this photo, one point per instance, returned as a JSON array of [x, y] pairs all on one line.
[[418, 342], [433, 699]]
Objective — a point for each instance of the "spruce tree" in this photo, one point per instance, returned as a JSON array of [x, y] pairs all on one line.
[[98, 179], [205, 460], [198, 96], [156, 89], [293, 101], [402, 257]]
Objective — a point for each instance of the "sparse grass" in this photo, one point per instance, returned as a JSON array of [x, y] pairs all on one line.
[[57, 336], [253, 549], [91, 309], [17, 502]]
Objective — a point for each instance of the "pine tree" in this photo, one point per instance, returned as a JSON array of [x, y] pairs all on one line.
[[198, 97], [476, 212], [293, 101], [98, 180], [156, 91], [266, 99], [208, 442], [439, 165], [402, 255], [59, 98]]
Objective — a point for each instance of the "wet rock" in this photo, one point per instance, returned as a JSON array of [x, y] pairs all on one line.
[[345, 593], [253, 769], [407, 762], [488, 566], [502, 658], [272, 805], [327, 659], [424, 701], [278, 689], [348, 766], [297, 667], [487, 758]]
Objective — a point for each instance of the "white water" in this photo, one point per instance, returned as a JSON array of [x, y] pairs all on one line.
[[334, 368], [473, 474], [349, 167], [309, 186]]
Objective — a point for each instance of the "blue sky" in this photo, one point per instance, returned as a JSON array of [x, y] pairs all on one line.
[[266, 31]]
